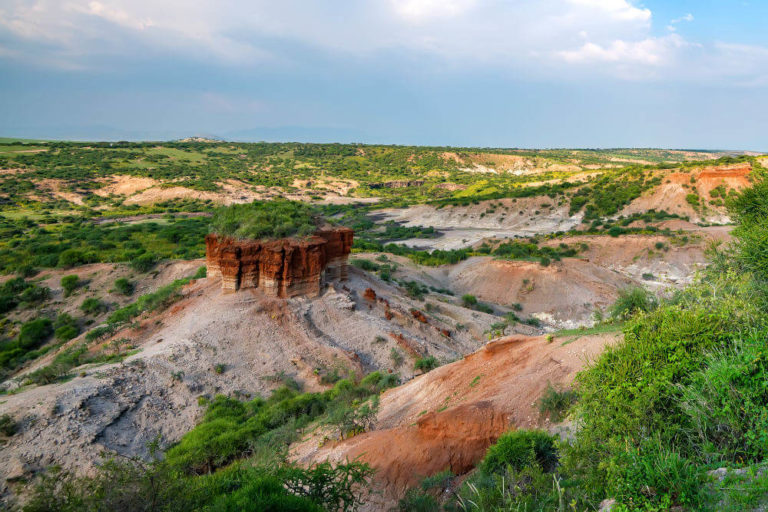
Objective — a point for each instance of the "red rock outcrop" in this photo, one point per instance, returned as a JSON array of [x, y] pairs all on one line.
[[282, 268]]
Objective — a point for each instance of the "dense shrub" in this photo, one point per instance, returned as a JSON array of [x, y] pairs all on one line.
[[69, 284], [18, 292], [144, 263], [8, 426], [631, 301], [149, 302], [520, 449], [266, 219], [124, 286], [426, 364], [65, 327], [92, 306], [73, 257], [131, 485], [35, 332], [726, 404], [230, 428]]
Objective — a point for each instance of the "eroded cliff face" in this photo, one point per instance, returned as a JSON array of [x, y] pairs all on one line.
[[281, 268]]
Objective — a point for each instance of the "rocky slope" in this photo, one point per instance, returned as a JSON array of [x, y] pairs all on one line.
[[214, 342]]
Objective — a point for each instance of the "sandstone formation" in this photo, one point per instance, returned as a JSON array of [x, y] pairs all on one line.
[[281, 268]]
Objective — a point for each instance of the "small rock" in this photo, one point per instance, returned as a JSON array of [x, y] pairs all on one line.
[[16, 469], [719, 474], [607, 505]]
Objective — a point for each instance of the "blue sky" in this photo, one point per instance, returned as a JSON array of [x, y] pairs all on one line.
[[501, 73]]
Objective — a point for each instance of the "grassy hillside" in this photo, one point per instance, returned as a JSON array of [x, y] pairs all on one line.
[[369, 170]]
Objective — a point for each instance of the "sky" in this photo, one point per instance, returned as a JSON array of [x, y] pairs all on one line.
[[488, 73]]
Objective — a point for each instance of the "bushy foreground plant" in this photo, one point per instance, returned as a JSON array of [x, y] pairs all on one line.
[[517, 473], [131, 485]]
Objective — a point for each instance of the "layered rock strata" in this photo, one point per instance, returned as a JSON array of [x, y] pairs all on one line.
[[281, 268]]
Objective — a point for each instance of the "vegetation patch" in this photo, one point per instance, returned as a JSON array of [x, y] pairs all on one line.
[[266, 220]]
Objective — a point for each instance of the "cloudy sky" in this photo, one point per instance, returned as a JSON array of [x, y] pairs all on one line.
[[512, 73]]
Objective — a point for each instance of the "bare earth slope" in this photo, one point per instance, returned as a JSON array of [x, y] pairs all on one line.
[[447, 418]]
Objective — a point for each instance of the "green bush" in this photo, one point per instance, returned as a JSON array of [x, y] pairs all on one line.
[[69, 284], [92, 306], [519, 449], [231, 428], [469, 300], [639, 386], [18, 292], [66, 332], [631, 301], [366, 265], [99, 332], [726, 403], [73, 257], [484, 308], [124, 286], [8, 426], [418, 501], [34, 332], [144, 263], [131, 485], [530, 489], [426, 364]]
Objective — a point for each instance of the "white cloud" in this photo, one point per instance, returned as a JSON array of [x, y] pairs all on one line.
[[417, 10], [688, 17], [617, 9], [117, 16], [541, 38], [650, 51]]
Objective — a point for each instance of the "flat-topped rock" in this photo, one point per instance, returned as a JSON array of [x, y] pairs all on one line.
[[281, 268]]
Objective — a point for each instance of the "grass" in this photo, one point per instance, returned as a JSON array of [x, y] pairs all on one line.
[[600, 328]]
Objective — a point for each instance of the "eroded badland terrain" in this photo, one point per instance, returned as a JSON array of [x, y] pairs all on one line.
[[474, 285]]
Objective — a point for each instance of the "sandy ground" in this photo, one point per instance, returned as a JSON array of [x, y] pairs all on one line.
[[463, 226]]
